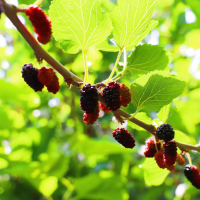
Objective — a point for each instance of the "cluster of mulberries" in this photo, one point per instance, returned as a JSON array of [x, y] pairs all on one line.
[[193, 175], [40, 22], [37, 79], [124, 137], [115, 95], [151, 147]]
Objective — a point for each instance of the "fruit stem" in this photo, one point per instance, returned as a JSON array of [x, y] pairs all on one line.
[[85, 66], [115, 66], [37, 2], [189, 158], [120, 74], [125, 61]]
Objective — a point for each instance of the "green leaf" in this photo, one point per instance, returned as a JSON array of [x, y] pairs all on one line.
[[182, 137], [155, 90], [132, 21], [146, 58], [106, 45], [79, 24], [153, 175], [163, 113], [105, 186]]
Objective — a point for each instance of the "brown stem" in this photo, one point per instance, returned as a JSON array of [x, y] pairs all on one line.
[[40, 53]]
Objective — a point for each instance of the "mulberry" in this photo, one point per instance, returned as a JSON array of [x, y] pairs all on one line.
[[89, 98], [91, 118], [193, 175], [40, 22], [111, 96], [125, 95], [30, 75], [150, 149], [165, 132], [169, 152], [180, 160], [48, 77], [102, 106], [159, 159], [124, 137]]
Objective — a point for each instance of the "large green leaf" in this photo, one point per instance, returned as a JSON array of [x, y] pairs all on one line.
[[132, 21], [155, 90], [79, 24], [146, 58], [153, 175]]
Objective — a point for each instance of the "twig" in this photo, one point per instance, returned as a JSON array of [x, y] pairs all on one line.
[[40, 53]]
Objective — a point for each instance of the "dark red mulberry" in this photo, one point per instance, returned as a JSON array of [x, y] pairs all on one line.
[[111, 96], [40, 22], [150, 149], [193, 175], [124, 137], [30, 75], [125, 95], [165, 132], [89, 98], [91, 118], [169, 152]]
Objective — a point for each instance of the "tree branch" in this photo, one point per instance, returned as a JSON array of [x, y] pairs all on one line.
[[40, 53]]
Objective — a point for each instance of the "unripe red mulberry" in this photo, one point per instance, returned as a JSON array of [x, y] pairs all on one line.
[[30, 75], [125, 95], [169, 152], [111, 96], [91, 118], [180, 160], [54, 86], [89, 98], [124, 137], [159, 159], [193, 175], [48, 77], [150, 149], [45, 75], [165, 132], [40, 22]]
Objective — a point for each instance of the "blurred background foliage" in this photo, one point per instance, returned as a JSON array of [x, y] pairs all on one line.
[[47, 152]]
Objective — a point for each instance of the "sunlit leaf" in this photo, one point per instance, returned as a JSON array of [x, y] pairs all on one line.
[[132, 21], [146, 58], [155, 90], [153, 175], [79, 24]]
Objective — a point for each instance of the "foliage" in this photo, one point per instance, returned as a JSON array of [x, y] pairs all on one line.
[[46, 150]]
